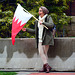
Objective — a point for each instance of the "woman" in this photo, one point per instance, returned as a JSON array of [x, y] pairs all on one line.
[[44, 36]]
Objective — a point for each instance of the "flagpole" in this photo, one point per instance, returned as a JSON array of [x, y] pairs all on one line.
[[33, 17]]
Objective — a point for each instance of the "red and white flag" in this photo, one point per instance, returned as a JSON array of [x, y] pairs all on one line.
[[20, 19]]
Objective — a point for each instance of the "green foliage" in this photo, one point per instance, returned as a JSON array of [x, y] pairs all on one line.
[[60, 20], [8, 73], [57, 10]]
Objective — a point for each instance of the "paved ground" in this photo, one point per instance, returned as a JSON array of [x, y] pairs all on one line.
[[35, 72], [23, 73], [51, 73]]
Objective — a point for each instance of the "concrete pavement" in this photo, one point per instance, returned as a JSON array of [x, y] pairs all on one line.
[[23, 73]]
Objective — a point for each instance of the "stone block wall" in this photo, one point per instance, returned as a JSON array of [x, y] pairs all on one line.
[[72, 27], [24, 55]]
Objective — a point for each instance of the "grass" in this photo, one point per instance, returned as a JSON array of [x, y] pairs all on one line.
[[8, 73]]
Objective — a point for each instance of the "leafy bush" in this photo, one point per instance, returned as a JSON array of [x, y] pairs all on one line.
[[57, 10]]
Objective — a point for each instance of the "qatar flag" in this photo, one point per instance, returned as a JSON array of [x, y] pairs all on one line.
[[19, 20]]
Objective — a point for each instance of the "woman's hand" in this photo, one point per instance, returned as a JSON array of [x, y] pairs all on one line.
[[40, 22], [23, 29]]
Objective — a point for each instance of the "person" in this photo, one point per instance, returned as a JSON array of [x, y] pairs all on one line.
[[44, 37]]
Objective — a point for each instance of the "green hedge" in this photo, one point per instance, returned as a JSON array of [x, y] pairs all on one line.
[[57, 10]]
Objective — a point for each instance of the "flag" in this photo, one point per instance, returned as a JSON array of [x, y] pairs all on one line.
[[19, 20]]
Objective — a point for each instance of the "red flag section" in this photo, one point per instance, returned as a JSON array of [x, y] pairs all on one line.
[[16, 28]]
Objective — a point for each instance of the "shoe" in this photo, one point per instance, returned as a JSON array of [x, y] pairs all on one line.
[[43, 69], [48, 68]]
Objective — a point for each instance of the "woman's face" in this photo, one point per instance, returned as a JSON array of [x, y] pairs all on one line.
[[41, 14]]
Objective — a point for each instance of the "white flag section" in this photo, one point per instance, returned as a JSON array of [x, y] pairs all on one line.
[[20, 19], [22, 15]]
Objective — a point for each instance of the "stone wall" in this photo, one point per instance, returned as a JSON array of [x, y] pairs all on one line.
[[24, 55], [72, 27]]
